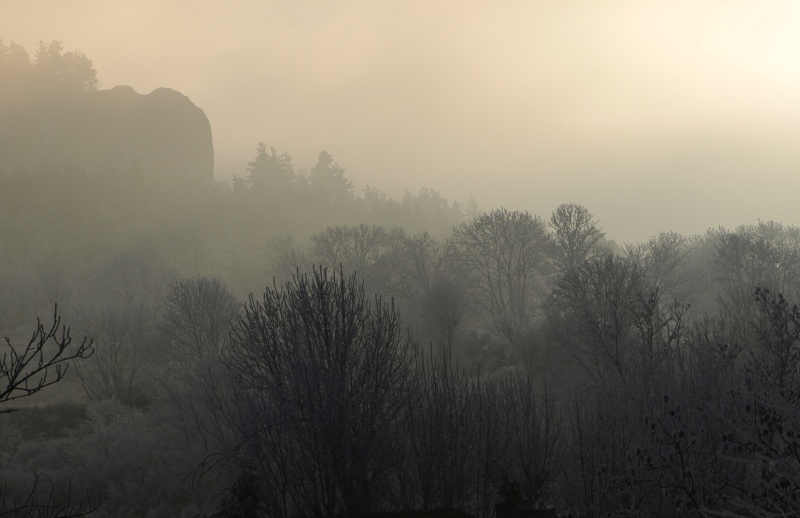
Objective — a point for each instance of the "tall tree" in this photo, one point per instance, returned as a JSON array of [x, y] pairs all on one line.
[[766, 255], [592, 314], [576, 236], [327, 177], [270, 171], [15, 68], [323, 376], [197, 318], [369, 250], [507, 254], [57, 70], [432, 284]]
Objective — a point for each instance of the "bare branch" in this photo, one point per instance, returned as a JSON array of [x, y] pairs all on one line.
[[43, 361]]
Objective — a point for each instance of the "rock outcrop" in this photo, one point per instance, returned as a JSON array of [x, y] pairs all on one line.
[[162, 133]]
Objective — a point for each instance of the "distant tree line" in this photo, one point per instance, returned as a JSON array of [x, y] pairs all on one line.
[[51, 69]]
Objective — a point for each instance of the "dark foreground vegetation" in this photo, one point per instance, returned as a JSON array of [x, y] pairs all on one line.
[[393, 354]]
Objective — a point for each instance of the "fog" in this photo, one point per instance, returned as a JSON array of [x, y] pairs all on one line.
[[431, 259], [624, 107]]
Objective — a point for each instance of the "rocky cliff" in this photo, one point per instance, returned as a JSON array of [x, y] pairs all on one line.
[[162, 133]]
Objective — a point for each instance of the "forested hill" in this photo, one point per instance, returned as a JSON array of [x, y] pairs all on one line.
[[52, 116], [93, 179]]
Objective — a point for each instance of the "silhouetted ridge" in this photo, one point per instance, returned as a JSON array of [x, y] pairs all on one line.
[[162, 133]]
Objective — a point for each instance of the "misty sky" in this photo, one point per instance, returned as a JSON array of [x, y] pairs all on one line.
[[673, 115]]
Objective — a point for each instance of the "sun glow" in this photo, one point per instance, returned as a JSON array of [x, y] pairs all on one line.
[[757, 37]]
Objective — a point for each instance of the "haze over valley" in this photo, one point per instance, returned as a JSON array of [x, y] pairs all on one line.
[[430, 259], [621, 106]]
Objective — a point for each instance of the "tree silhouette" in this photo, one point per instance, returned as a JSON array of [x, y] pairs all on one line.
[[576, 237], [270, 171], [327, 177], [43, 361], [57, 70], [507, 253], [323, 375], [52, 70]]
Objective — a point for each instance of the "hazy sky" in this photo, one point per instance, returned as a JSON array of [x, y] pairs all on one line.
[[673, 115]]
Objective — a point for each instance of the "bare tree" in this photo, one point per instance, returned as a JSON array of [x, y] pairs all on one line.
[[284, 256], [531, 428], [443, 438], [665, 262], [465, 434], [369, 251], [322, 376], [507, 253], [421, 260], [720, 424], [121, 337], [197, 317], [445, 306], [43, 361], [766, 255], [765, 424], [196, 392], [40, 364], [592, 314], [431, 282], [576, 236]]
